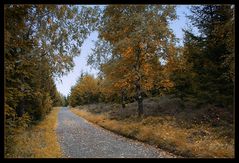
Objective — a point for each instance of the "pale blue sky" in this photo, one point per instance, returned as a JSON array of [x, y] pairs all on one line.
[[69, 80]]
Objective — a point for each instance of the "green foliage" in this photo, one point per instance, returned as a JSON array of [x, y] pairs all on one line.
[[206, 76], [66, 101], [13, 125], [40, 42]]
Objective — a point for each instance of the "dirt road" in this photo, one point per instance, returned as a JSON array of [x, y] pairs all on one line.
[[80, 139]]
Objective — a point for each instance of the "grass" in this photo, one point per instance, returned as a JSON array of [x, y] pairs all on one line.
[[39, 141], [166, 131]]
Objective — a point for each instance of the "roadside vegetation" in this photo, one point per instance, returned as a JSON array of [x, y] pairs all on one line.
[[179, 97], [35, 41], [191, 132], [37, 141]]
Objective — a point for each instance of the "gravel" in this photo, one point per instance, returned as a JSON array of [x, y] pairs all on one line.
[[81, 139]]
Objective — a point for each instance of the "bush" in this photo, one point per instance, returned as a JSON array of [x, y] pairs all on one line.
[[13, 126]]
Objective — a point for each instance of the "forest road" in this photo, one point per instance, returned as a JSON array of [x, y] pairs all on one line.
[[79, 138]]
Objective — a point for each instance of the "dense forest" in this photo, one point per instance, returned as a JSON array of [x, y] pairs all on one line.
[[133, 41], [37, 49], [136, 54]]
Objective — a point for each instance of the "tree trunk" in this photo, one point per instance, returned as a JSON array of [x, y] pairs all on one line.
[[123, 98], [20, 109], [137, 84], [139, 99]]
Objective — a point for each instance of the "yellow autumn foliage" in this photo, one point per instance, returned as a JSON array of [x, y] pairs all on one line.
[[128, 52]]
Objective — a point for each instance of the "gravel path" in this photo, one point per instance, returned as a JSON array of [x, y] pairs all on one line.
[[81, 139]]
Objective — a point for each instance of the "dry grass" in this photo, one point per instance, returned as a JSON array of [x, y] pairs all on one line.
[[40, 141], [163, 131]]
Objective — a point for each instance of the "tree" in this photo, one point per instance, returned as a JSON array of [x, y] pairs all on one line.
[[41, 39], [40, 42], [138, 36], [209, 71], [85, 91]]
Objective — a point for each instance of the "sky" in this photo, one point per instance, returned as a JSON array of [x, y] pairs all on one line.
[[65, 83]]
